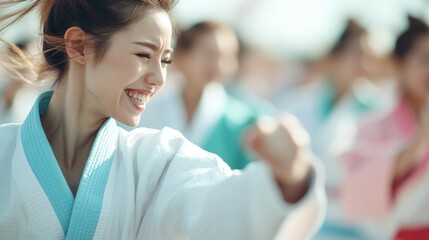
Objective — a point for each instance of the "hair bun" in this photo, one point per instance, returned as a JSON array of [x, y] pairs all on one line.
[[407, 39], [416, 24]]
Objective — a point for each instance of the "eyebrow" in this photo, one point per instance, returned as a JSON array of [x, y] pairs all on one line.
[[153, 46]]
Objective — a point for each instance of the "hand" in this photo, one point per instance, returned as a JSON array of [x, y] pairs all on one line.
[[284, 145]]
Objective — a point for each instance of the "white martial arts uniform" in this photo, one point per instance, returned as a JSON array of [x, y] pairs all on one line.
[[143, 184]]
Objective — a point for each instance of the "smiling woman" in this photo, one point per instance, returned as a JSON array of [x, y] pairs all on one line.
[[68, 172], [133, 68]]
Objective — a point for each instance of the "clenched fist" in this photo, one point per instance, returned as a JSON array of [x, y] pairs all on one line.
[[284, 145]]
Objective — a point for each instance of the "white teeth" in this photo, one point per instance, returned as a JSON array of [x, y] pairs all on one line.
[[137, 97]]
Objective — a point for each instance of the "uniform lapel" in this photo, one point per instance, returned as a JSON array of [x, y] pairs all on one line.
[[78, 217], [90, 195], [44, 164]]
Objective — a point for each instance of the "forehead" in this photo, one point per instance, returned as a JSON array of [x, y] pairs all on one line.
[[220, 39], [226, 39], [155, 27]]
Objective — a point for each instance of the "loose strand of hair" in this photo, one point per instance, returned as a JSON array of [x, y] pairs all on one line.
[[19, 13], [17, 62]]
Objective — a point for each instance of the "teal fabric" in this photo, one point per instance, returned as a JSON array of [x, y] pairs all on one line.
[[362, 103], [327, 101], [90, 195], [226, 138], [44, 164], [338, 231], [78, 217]]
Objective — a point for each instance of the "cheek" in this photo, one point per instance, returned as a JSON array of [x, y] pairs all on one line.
[[115, 72], [123, 66], [414, 74], [193, 67], [229, 65], [416, 82], [108, 79], [211, 68]]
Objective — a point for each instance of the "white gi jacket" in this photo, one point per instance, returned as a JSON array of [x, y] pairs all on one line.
[[143, 184]]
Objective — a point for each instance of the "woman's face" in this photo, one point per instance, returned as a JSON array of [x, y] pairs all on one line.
[[213, 56], [132, 70], [349, 63], [414, 70]]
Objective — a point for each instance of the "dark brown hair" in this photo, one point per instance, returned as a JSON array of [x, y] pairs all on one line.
[[406, 40], [353, 30], [100, 19]]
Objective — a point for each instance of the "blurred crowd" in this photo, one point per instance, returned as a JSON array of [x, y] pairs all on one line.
[[367, 116]]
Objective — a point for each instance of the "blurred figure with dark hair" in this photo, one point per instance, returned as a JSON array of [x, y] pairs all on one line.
[[201, 109], [386, 170], [329, 107], [236, 86], [16, 98]]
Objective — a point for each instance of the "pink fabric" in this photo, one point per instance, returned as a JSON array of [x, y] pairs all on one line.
[[413, 234], [366, 191]]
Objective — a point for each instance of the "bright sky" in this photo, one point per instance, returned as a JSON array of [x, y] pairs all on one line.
[[304, 27], [289, 27]]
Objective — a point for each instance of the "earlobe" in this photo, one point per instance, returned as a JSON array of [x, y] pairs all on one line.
[[74, 39]]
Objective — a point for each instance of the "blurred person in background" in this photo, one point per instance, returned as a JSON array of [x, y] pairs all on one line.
[[387, 168], [329, 107], [237, 84], [200, 108], [258, 73], [16, 97]]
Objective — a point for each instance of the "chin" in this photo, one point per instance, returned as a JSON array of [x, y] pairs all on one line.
[[130, 122]]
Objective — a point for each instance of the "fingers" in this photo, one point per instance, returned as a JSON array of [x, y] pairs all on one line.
[[283, 144], [299, 135], [277, 140]]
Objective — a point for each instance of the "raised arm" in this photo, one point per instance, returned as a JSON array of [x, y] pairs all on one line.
[[201, 198], [284, 145]]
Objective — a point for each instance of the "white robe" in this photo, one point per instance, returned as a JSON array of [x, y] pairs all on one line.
[[143, 184]]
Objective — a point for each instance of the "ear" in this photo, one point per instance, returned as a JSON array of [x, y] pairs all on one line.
[[75, 44]]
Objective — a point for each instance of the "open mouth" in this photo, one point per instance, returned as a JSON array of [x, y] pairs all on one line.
[[138, 98]]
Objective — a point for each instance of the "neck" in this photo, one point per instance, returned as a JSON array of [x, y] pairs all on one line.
[[69, 126], [341, 88], [191, 96]]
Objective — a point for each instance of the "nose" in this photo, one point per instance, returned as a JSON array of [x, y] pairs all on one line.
[[156, 75]]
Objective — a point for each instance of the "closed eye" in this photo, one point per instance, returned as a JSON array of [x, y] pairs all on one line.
[[148, 57], [143, 55], [167, 61]]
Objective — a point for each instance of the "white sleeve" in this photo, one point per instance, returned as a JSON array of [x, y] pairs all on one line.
[[204, 199]]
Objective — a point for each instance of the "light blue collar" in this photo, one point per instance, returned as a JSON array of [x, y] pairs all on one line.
[[78, 217], [361, 101]]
